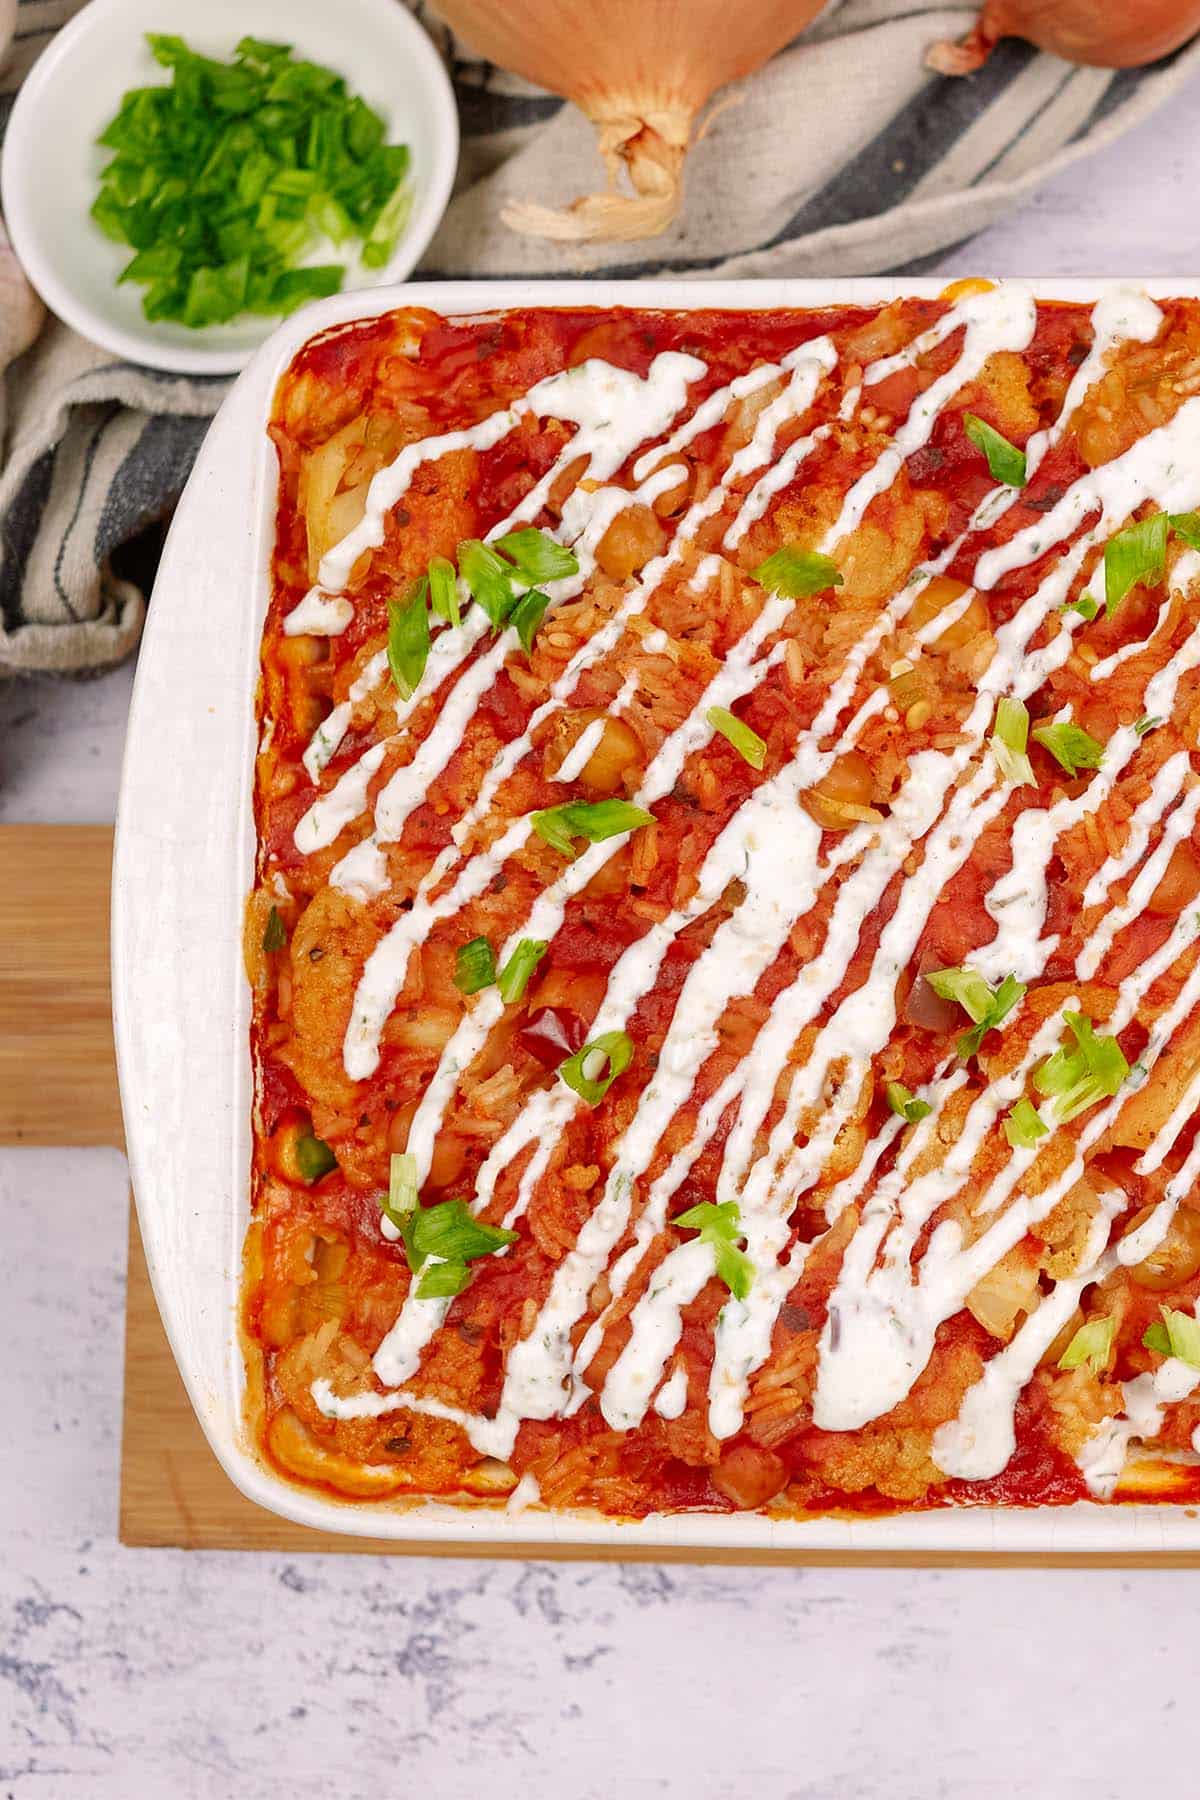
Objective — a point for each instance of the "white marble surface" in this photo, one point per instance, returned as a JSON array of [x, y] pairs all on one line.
[[130, 1674]]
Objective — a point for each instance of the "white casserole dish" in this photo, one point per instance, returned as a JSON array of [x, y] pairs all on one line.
[[183, 865]]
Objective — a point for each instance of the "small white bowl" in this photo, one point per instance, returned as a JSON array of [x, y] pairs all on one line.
[[52, 163]]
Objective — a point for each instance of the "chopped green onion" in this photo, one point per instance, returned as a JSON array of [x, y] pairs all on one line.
[[1009, 739], [274, 936], [442, 1280], [225, 181], [1137, 554], [489, 578], [443, 591], [903, 1103], [1178, 1335], [1074, 1080], [720, 1227], [1086, 605], [513, 978], [1187, 526], [986, 1007], [1092, 1344], [401, 1200], [1005, 462], [1071, 746], [527, 615], [749, 746], [314, 1158], [796, 572], [1024, 1125], [1147, 723], [538, 556], [594, 820], [966, 987], [474, 966], [408, 638], [593, 1069], [451, 1231]]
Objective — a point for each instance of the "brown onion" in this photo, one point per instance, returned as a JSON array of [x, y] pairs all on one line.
[[1081, 31]]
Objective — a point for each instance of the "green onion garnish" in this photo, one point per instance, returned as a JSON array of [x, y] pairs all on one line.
[[499, 580], [513, 978], [903, 1103], [1187, 526], [1086, 606], [593, 1069], [442, 1280], [749, 746], [796, 572], [226, 180], [274, 935], [401, 1200], [987, 1007], [474, 966], [408, 638], [1147, 723], [1092, 1344], [721, 1227], [1177, 1334], [594, 820], [489, 578], [451, 1231], [527, 615], [1071, 746], [1024, 1125], [1005, 462], [443, 591], [1075, 1079], [314, 1158], [537, 556], [1010, 736], [1137, 554]]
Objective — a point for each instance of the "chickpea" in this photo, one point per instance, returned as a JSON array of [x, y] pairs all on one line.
[[634, 536], [843, 795], [619, 749], [1180, 883], [941, 592], [1177, 1258]]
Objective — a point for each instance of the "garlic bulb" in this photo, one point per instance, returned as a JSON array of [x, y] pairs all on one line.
[[1082, 31], [641, 70]]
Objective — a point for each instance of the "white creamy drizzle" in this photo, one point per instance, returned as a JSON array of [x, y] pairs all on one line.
[[1162, 466], [1163, 793], [588, 742], [1146, 1398], [319, 615], [988, 328], [326, 740], [862, 498], [671, 1398], [915, 1307], [979, 1442], [710, 412], [1104, 668], [385, 970], [329, 816]]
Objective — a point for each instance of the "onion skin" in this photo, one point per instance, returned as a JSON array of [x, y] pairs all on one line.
[[1095, 32], [641, 70]]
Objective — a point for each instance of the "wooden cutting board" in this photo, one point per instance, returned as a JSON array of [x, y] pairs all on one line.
[[58, 1085]]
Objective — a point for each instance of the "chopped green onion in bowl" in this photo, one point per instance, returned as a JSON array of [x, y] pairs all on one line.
[[242, 186]]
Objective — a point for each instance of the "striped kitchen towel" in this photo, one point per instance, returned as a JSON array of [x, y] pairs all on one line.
[[844, 157]]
